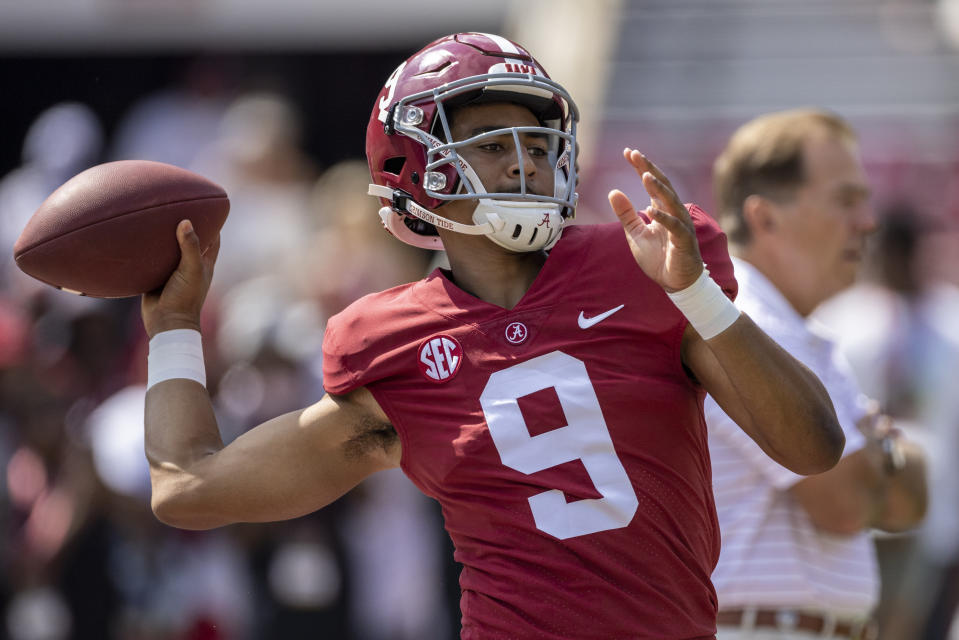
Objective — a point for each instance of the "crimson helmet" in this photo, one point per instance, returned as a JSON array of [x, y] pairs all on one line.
[[416, 167]]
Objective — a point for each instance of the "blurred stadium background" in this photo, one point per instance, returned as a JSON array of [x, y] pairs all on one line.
[[271, 100]]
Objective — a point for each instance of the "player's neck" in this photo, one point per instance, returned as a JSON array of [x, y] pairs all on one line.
[[493, 274]]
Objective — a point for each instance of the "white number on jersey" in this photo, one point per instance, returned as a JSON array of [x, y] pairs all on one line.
[[585, 437]]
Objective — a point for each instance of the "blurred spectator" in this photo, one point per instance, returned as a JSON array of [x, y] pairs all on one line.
[[340, 567], [82, 555], [62, 141], [175, 123], [55, 534], [398, 559], [116, 447], [797, 558], [14, 333], [905, 352], [351, 255], [352, 244], [258, 158]]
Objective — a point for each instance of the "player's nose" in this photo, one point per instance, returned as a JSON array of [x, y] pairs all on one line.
[[522, 164], [523, 169]]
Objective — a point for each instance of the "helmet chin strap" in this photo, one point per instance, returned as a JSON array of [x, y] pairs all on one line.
[[401, 202]]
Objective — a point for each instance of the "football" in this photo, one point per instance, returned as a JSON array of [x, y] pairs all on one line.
[[110, 231]]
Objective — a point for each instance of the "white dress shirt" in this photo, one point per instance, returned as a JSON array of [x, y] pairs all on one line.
[[772, 555]]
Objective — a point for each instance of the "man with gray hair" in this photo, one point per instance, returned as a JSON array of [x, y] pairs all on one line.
[[797, 560]]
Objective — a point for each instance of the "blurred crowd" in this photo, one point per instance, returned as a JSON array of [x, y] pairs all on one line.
[[81, 554], [897, 328]]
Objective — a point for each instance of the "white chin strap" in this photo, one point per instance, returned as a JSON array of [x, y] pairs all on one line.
[[519, 226]]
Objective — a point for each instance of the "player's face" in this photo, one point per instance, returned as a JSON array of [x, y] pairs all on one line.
[[495, 159], [829, 217]]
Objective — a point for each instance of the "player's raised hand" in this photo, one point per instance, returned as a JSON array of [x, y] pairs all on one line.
[[178, 304], [665, 247]]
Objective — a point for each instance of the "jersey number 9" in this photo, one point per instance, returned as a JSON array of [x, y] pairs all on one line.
[[585, 437]]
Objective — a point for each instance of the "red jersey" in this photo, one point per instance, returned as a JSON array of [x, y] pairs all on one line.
[[562, 438]]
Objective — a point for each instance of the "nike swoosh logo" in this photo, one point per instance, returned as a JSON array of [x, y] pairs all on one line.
[[586, 323]]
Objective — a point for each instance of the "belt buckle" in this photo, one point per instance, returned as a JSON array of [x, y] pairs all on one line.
[[787, 619], [829, 623], [864, 630]]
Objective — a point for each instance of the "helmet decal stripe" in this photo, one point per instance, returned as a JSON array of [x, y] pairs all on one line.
[[504, 45]]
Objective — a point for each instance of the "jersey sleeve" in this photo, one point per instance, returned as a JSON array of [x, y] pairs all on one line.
[[714, 250], [365, 342], [338, 376]]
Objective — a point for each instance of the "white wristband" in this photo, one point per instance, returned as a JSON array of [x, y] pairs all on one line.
[[706, 306], [176, 354]]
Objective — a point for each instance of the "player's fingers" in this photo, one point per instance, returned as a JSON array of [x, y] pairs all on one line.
[[189, 241], [672, 223], [663, 193], [211, 252], [186, 236], [636, 159], [643, 164], [624, 210]]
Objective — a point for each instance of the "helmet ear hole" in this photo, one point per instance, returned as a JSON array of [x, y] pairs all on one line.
[[394, 165]]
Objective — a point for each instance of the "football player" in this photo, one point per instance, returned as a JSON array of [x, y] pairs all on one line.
[[547, 389]]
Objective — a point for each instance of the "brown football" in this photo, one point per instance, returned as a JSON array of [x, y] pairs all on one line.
[[110, 231]]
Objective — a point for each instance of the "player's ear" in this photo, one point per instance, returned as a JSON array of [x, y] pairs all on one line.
[[760, 215]]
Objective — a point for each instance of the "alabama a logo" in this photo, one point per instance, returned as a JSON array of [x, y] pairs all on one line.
[[440, 358], [516, 333]]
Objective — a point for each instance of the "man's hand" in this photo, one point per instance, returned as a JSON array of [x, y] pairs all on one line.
[[665, 248], [178, 304], [876, 425]]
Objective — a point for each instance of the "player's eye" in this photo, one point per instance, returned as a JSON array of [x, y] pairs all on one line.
[[537, 151]]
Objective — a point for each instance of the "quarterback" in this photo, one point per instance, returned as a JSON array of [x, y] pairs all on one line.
[[547, 389]]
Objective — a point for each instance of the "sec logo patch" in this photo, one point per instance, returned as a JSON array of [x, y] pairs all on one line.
[[440, 358]]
